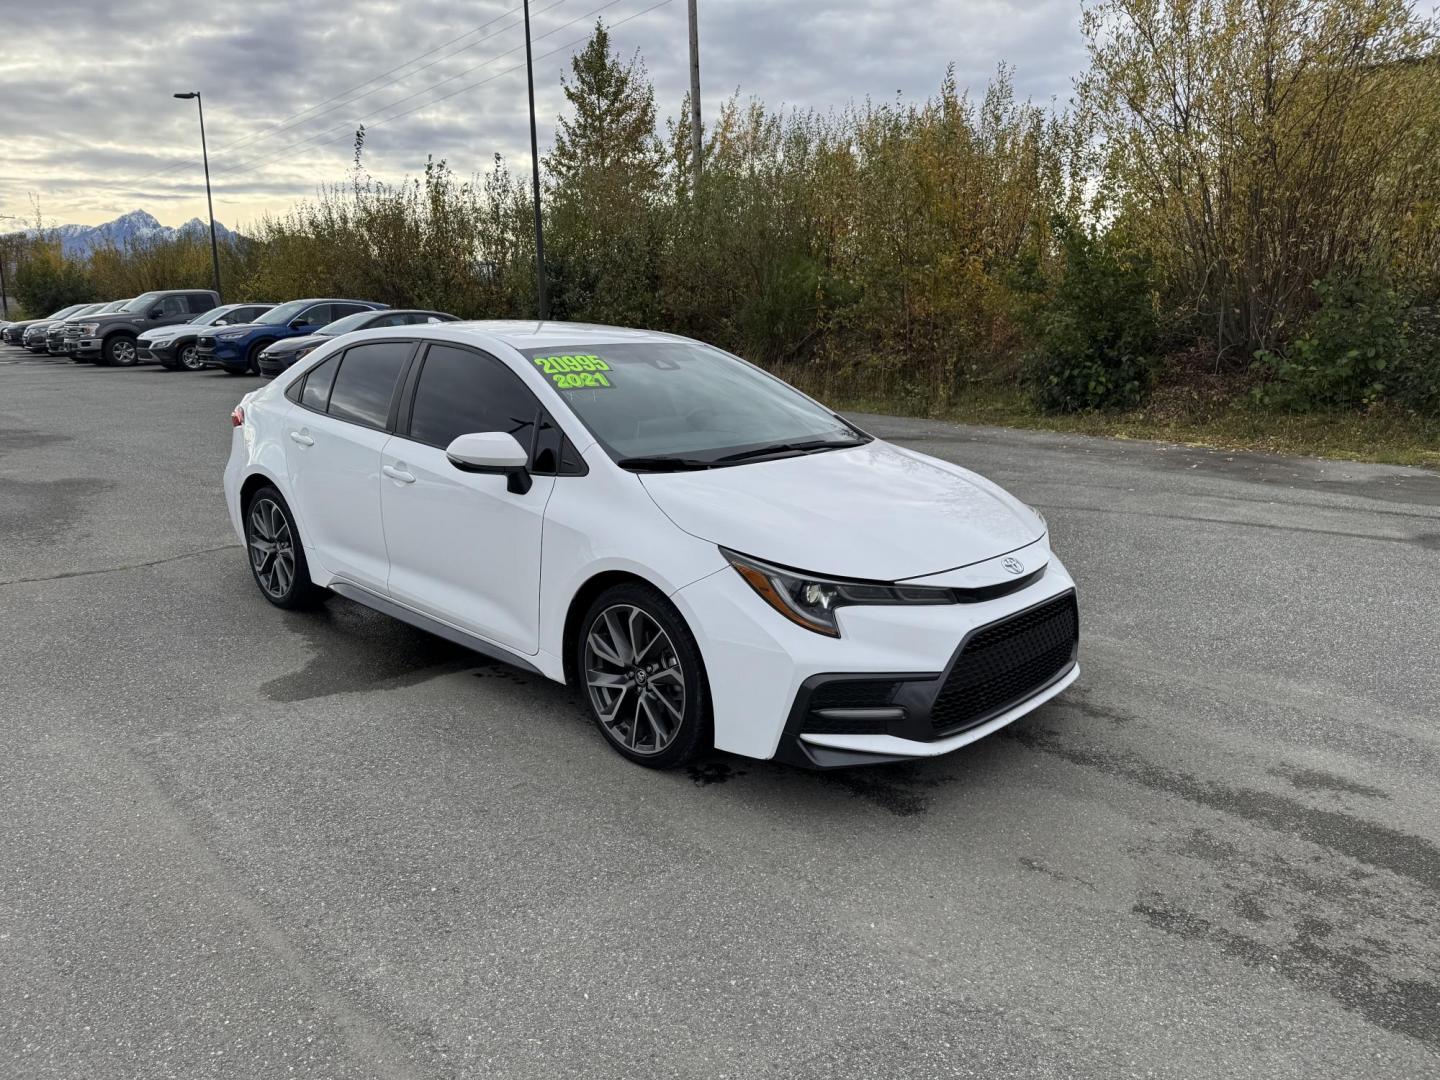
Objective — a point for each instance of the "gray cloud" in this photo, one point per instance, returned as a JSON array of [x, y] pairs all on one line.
[[91, 131]]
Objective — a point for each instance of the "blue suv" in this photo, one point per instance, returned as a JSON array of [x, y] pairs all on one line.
[[237, 348]]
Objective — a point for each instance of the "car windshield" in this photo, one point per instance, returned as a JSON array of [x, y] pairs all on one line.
[[214, 315], [680, 404], [142, 302], [64, 313], [278, 316], [114, 306], [345, 325]]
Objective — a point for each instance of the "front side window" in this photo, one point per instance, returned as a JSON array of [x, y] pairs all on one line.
[[686, 402], [366, 382], [461, 392]]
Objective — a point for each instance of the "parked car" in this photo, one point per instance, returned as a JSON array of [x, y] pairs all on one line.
[[279, 356], [55, 333], [724, 562], [110, 339], [173, 347], [14, 333], [38, 334], [238, 348]]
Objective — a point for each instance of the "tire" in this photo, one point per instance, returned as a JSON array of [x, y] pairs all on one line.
[[276, 556], [119, 351], [187, 358], [658, 709], [252, 359]]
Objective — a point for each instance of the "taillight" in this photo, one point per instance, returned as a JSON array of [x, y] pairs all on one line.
[[237, 418]]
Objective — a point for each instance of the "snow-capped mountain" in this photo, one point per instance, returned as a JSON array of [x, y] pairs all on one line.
[[80, 240]]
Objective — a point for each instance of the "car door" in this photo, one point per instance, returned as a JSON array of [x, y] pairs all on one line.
[[172, 309], [463, 548], [334, 439]]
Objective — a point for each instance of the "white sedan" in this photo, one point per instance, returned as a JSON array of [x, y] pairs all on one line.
[[716, 558]]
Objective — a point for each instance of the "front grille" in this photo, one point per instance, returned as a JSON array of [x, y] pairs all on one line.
[[1006, 662]]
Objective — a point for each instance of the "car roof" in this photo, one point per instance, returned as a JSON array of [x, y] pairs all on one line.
[[528, 334]]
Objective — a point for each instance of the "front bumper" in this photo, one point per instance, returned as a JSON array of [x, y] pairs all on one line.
[[162, 352], [86, 348], [764, 671], [217, 352]]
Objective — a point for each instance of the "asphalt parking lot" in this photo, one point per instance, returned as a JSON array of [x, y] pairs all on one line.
[[236, 842]]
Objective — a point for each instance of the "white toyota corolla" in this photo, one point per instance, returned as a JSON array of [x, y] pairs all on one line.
[[716, 558]]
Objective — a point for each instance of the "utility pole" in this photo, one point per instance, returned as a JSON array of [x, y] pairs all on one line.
[[542, 300], [695, 139], [209, 203], [4, 300]]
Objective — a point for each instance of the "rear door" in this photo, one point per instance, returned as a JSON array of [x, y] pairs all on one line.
[[333, 450], [462, 546]]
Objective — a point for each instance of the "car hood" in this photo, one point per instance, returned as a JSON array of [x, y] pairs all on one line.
[[164, 333], [876, 511]]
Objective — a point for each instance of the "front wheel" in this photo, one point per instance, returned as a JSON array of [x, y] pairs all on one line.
[[277, 559], [644, 681], [119, 350], [188, 357]]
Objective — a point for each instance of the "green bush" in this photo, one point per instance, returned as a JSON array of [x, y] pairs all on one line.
[[1366, 343], [1096, 333]]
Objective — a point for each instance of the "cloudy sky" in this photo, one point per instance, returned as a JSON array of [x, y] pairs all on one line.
[[90, 130]]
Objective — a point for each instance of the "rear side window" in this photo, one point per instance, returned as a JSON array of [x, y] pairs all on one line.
[[200, 303], [366, 382], [339, 311], [461, 392], [316, 393]]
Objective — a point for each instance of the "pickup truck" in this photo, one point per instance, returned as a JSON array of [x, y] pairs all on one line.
[[110, 339]]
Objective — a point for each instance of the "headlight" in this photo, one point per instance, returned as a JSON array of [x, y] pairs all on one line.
[[89, 328], [811, 601], [230, 335]]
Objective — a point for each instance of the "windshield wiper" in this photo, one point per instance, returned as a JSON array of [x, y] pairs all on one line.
[[792, 448], [661, 463]]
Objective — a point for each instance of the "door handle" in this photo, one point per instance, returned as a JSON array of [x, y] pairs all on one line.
[[301, 438], [398, 474]]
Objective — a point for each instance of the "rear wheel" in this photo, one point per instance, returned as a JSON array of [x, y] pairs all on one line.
[[277, 559], [644, 682], [119, 350]]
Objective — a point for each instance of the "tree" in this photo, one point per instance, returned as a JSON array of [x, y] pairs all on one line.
[[1262, 144], [603, 187]]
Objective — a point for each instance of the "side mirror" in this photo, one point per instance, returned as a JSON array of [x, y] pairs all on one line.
[[496, 452], [298, 324], [156, 312]]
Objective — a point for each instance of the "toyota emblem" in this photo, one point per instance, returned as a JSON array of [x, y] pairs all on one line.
[[1013, 565]]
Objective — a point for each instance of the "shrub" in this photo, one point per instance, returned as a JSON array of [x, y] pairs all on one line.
[[1096, 331], [1366, 343]]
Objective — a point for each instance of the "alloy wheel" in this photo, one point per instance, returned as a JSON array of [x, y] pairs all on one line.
[[634, 679], [123, 352], [190, 359], [272, 547]]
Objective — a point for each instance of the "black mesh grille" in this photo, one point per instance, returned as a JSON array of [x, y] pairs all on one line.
[[852, 694], [1006, 662]]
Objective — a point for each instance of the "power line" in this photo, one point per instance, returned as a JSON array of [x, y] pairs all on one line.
[[348, 129]]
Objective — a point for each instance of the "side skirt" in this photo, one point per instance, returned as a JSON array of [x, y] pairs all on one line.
[[431, 626]]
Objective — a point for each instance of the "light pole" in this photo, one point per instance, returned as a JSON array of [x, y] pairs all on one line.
[[696, 144], [209, 203], [543, 300]]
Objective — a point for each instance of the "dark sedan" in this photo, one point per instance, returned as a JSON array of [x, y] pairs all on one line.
[[280, 355]]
